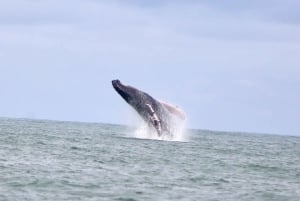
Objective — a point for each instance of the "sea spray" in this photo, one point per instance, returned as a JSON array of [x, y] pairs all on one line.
[[142, 130]]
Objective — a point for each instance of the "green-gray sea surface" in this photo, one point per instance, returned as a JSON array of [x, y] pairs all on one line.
[[52, 160]]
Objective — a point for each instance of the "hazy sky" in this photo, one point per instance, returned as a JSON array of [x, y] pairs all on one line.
[[232, 66]]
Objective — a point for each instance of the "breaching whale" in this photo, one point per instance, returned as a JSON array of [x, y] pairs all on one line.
[[156, 114]]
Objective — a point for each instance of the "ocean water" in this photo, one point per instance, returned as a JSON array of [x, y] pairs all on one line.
[[51, 160]]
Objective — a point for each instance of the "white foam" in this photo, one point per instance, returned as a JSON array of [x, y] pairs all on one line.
[[143, 131]]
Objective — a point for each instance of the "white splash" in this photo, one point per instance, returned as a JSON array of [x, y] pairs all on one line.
[[143, 131]]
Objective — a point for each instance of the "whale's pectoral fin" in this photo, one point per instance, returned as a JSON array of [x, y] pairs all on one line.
[[154, 119]]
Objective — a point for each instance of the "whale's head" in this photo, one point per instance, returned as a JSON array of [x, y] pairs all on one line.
[[128, 93]]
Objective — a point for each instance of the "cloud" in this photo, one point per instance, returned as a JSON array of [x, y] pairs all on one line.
[[270, 10]]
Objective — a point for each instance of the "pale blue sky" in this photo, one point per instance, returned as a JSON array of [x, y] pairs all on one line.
[[231, 66]]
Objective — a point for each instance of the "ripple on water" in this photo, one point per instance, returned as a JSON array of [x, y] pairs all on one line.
[[48, 160]]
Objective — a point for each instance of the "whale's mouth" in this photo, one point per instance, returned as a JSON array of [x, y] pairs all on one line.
[[122, 90], [116, 83]]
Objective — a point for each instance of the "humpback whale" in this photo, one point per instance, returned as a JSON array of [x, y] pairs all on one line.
[[157, 114]]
